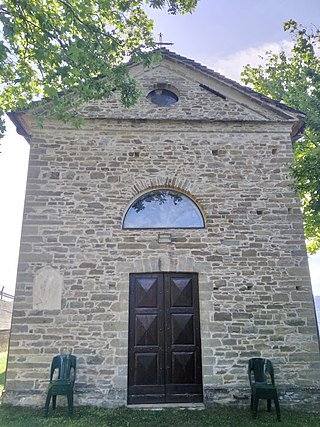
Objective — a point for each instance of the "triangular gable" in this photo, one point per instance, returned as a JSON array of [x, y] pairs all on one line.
[[198, 99], [203, 95]]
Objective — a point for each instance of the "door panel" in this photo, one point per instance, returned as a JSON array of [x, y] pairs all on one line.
[[146, 368], [182, 338], [146, 329], [182, 329], [146, 339], [181, 292], [183, 368], [164, 338]]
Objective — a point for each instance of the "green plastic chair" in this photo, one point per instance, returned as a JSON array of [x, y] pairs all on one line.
[[64, 368], [261, 378]]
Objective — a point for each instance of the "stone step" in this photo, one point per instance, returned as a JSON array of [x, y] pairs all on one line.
[[161, 406]]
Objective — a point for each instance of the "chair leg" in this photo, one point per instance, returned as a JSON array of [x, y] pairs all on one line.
[[277, 405], [70, 402], [269, 405], [46, 406], [54, 401], [255, 407]]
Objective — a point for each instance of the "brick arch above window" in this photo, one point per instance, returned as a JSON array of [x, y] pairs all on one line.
[[163, 208]]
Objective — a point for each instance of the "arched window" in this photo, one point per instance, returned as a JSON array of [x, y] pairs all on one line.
[[163, 95], [163, 208]]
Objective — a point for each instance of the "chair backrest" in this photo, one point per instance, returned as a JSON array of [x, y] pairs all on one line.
[[260, 370], [65, 365]]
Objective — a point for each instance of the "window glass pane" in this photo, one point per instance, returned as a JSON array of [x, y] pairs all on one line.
[[162, 97], [163, 209]]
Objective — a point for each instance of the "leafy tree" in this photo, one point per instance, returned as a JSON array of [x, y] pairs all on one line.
[[294, 79], [49, 47]]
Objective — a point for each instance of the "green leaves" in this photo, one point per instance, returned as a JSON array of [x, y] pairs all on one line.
[[174, 7], [295, 80], [55, 46], [305, 172]]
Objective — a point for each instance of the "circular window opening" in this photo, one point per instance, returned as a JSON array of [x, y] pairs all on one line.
[[162, 97]]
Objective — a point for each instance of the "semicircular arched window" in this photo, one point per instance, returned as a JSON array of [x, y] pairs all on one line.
[[163, 208]]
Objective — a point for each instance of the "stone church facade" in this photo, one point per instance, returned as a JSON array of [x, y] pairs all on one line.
[[158, 310]]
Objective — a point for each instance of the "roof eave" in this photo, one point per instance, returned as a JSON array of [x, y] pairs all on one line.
[[21, 130], [298, 129]]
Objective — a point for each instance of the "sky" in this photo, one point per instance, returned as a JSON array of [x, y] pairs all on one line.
[[224, 35]]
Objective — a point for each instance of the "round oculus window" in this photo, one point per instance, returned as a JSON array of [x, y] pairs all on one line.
[[162, 97]]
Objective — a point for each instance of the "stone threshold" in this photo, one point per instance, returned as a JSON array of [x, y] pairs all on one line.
[[160, 406]]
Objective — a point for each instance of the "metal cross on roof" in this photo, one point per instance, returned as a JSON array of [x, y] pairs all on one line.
[[162, 43]]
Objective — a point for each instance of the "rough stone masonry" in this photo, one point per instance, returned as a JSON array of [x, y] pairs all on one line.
[[225, 147]]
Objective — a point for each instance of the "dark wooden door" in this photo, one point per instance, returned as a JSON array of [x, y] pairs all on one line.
[[164, 338]]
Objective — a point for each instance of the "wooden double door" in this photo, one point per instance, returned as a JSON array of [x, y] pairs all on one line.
[[164, 363]]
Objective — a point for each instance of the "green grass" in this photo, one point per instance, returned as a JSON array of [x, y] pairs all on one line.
[[123, 417], [3, 361]]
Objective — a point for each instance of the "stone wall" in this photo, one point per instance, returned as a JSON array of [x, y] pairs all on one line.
[[4, 339], [255, 294], [5, 314], [75, 258], [5, 323]]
